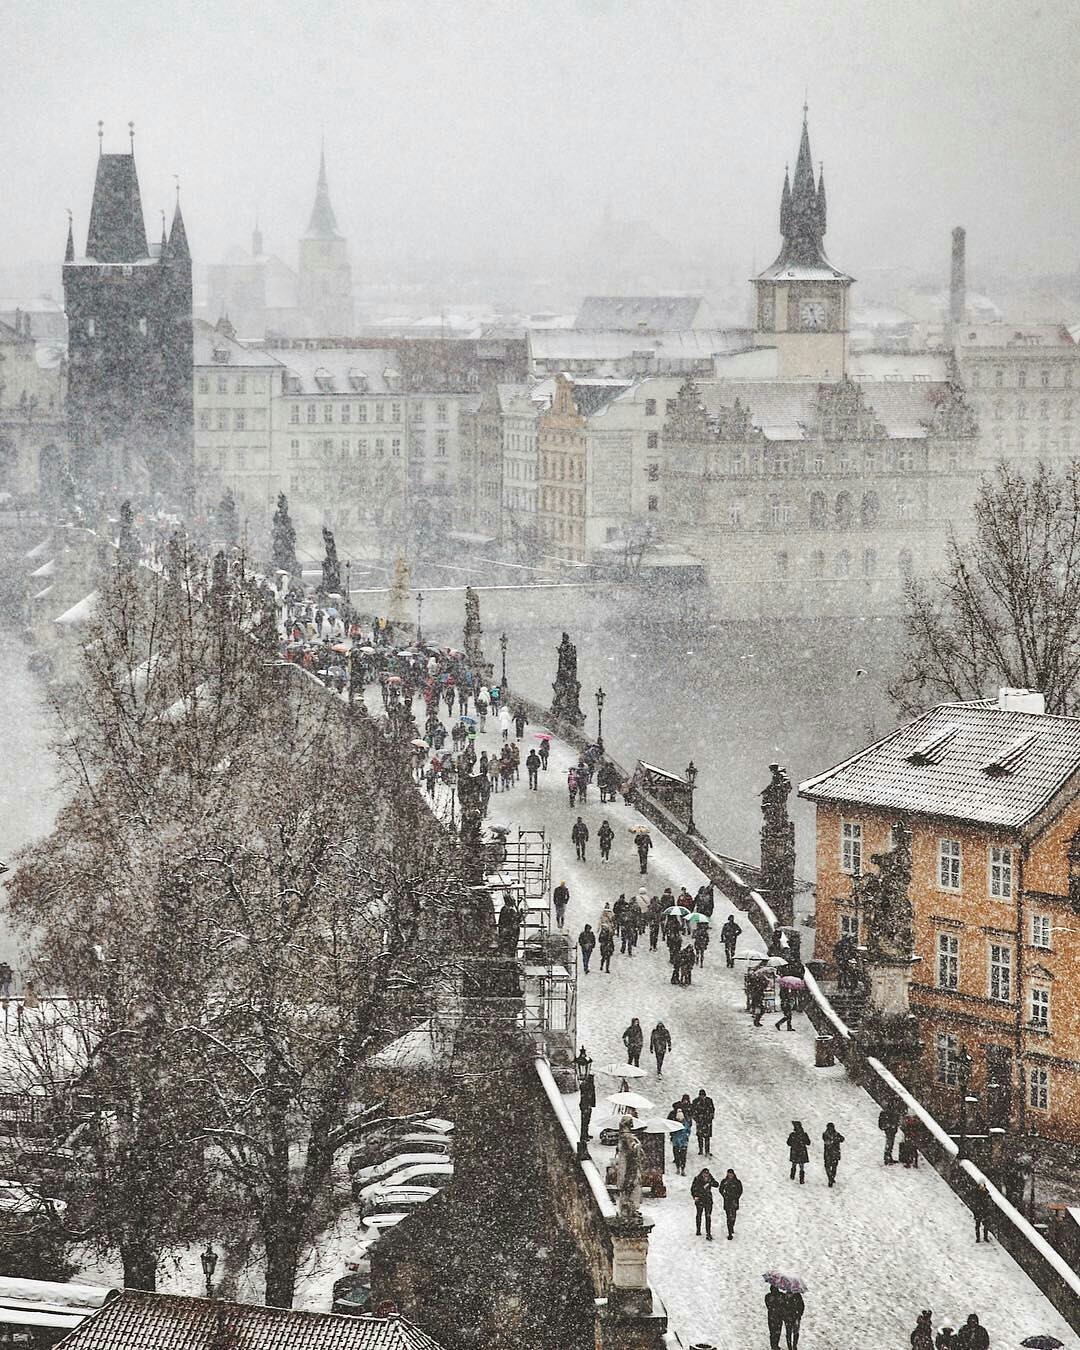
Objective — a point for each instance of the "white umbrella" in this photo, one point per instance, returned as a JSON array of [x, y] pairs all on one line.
[[613, 1121], [680, 910], [634, 1100], [698, 918], [658, 1125], [623, 1071]]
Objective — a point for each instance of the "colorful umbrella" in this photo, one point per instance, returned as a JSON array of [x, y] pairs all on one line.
[[541, 736], [468, 721], [698, 918], [791, 982], [680, 910], [623, 1071], [790, 1284], [634, 1100]]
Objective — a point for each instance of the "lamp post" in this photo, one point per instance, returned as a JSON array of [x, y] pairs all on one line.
[[348, 590], [582, 1064], [600, 696], [963, 1076], [691, 778], [504, 642], [586, 1098], [208, 1257], [419, 612]]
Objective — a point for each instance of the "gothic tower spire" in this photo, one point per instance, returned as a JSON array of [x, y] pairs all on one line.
[[322, 224]]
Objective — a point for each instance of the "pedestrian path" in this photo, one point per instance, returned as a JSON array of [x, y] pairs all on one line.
[[875, 1250]]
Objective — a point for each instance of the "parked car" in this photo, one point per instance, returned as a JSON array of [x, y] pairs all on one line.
[[375, 1224], [417, 1143], [416, 1174], [380, 1142], [381, 1170], [352, 1295], [391, 1199]]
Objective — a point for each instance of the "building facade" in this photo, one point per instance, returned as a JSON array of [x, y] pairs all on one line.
[[991, 794], [129, 404], [520, 406], [33, 434]]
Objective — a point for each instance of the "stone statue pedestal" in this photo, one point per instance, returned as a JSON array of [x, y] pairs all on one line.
[[890, 1031], [632, 1318], [890, 984], [630, 1253]]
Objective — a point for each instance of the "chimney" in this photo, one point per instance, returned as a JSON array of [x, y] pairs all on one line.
[[957, 279], [1021, 700]]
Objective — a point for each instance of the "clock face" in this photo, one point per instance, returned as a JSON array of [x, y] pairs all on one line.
[[812, 314]]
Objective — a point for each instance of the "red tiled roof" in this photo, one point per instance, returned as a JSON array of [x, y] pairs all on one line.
[[140, 1321], [962, 761]]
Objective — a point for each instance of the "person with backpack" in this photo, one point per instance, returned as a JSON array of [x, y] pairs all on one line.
[[607, 949]]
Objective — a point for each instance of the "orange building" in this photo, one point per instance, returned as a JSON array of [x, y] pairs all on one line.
[[991, 793]]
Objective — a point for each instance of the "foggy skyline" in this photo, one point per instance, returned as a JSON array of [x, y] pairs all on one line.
[[492, 134]]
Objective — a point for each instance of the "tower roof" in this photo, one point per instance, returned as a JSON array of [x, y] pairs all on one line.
[[117, 233], [802, 223], [322, 224], [178, 244]]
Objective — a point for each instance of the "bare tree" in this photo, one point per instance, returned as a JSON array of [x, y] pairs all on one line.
[[1006, 608]]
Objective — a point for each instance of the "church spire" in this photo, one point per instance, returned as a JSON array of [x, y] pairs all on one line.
[[322, 224], [69, 251], [821, 198], [802, 210], [785, 205]]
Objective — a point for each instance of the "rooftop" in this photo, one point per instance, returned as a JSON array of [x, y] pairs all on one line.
[[972, 762], [623, 343], [649, 311], [1015, 336], [138, 1321], [215, 348]]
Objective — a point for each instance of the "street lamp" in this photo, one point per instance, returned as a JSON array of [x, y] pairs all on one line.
[[504, 642], [582, 1064], [208, 1257], [691, 778], [600, 696], [963, 1076], [348, 590], [419, 611]]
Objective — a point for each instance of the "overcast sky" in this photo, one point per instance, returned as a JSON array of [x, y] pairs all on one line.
[[467, 130]]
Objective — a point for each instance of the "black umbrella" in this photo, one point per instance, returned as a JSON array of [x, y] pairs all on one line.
[[1043, 1343]]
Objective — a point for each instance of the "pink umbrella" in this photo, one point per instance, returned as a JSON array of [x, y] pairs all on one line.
[[791, 982], [541, 736]]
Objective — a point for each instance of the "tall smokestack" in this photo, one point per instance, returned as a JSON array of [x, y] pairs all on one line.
[[957, 279]]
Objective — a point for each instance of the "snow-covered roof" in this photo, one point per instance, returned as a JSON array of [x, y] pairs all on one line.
[[49, 1303], [650, 311], [212, 347], [1014, 336], [578, 344], [356, 372], [960, 761], [46, 569], [898, 366], [81, 612], [784, 271]]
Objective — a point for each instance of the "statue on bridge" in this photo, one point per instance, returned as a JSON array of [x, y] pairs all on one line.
[[567, 686], [890, 919], [778, 846], [629, 1163]]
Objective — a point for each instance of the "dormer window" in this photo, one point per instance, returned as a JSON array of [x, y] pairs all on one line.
[[1011, 756], [932, 750]]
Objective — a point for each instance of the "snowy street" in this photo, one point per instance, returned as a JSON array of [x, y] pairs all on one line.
[[884, 1244]]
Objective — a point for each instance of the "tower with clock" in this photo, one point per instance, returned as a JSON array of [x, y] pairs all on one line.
[[802, 299]]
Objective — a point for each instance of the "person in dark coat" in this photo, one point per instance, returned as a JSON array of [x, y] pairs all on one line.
[[605, 836], [680, 1140], [519, 723], [687, 961], [532, 766], [701, 942], [792, 1309], [798, 1142], [945, 1339], [922, 1338], [831, 1141], [659, 1045], [703, 900], [972, 1335], [607, 949], [731, 1193], [774, 1311], [981, 1207], [587, 944], [654, 918], [787, 1007], [756, 982], [643, 842], [701, 1188], [561, 898], [634, 1039], [580, 837], [628, 929], [703, 1110], [545, 751], [729, 935], [888, 1122]]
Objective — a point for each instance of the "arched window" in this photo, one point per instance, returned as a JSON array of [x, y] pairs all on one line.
[[843, 563], [845, 511], [869, 562], [870, 508], [817, 563], [818, 511], [904, 562]]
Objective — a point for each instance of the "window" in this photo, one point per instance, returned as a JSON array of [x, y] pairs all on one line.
[[843, 563], [904, 563], [328, 412], [654, 503], [241, 459], [1039, 1089], [904, 509], [650, 407], [380, 412], [395, 447], [1045, 378], [222, 385], [1066, 412], [869, 562], [851, 847], [240, 420], [241, 384], [905, 459], [294, 449], [1000, 973], [222, 420], [204, 421], [1021, 379], [361, 412], [999, 411], [652, 473], [782, 563], [817, 563], [999, 378], [361, 447], [775, 511], [1021, 411], [294, 483], [849, 927], [844, 510], [440, 446], [1021, 442], [91, 327], [311, 413], [870, 508], [294, 414], [818, 511], [735, 513], [440, 412], [346, 412], [346, 447], [652, 440], [946, 1048], [1040, 930], [949, 864], [975, 381], [670, 405], [1040, 1007], [1044, 408], [1001, 873], [948, 961], [204, 385], [380, 447], [395, 412]]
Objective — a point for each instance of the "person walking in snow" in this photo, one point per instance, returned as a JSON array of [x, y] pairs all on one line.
[[729, 935], [519, 723], [571, 783], [628, 929], [586, 945], [561, 898], [607, 918], [792, 1309], [981, 1207], [545, 751], [687, 961], [731, 1189], [659, 1045], [831, 1141], [605, 836], [701, 942], [643, 842], [922, 1338], [580, 837], [680, 1139], [703, 1110], [607, 949], [701, 1188], [972, 1335], [798, 1142], [504, 722], [674, 946], [787, 1007], [634, 1039], [774, 1311], [655, 918], [888, 1122], [532, 765]]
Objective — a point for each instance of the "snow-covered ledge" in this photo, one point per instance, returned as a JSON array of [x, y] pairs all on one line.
[[573, 1138]]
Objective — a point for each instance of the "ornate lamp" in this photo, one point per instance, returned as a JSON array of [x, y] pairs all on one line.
[[691, 778]]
